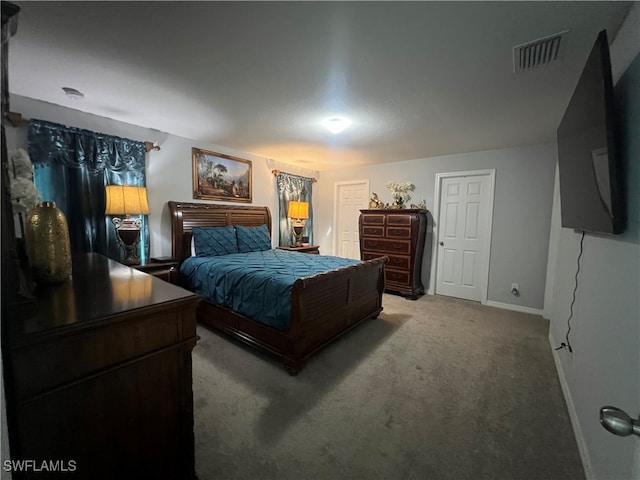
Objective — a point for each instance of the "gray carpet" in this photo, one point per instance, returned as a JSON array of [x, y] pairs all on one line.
[[437, 388]]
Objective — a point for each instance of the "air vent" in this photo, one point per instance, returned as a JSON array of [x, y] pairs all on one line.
[[543, 51]]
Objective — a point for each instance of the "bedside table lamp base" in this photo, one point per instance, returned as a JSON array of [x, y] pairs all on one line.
[[128, 235], [297, 235]]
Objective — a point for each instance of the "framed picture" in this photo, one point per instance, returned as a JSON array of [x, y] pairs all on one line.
[[221, 177]]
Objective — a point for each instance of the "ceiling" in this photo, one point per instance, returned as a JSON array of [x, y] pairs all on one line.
[[417, 79]]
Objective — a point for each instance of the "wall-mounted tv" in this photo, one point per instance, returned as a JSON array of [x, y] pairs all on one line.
[[591, 195]]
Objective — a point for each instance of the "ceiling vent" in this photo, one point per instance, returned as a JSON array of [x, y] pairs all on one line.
[[543, 51]]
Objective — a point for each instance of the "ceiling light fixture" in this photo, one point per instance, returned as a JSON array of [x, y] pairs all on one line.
[[336, 124], [73, 93]]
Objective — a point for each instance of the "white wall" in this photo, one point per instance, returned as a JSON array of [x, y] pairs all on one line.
[[169, 177], [522, 211], [169, 173], [604, 368]]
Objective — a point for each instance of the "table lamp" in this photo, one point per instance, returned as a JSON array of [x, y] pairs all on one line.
[[298, 213], [127, 200]]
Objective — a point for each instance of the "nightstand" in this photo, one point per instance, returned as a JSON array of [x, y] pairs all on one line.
[[166, 270], [313, 249]]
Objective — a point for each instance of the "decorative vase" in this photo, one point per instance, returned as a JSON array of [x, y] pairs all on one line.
[[48, 247]]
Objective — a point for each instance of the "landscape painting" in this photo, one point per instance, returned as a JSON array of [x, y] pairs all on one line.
[[217, 176]]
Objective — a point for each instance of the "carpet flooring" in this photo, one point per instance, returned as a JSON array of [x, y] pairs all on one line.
[[437, 388]]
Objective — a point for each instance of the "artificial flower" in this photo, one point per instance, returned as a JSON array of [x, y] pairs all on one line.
[[24, 194], [399, 191]]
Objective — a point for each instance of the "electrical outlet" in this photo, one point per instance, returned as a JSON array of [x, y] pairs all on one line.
[[515, 286], [515, 290]]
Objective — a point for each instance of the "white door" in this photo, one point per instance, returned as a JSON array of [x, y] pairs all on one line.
[[350, 198], [464, 235]]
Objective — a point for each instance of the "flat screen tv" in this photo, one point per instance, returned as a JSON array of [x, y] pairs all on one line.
[[591, 196]]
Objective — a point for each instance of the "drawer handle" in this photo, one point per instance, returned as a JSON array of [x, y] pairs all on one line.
[[396, 260], [397, 246], [372, 244]]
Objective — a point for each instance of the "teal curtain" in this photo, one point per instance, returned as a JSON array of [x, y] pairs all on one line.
[[72, 167], [293, 188]]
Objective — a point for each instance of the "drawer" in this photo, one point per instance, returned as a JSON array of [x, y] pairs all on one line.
[[372, 219], [167, 271], [373, 231], [396, 276], [371, 256], [398, 219], [396, 261], [166, 274], [41, 367], [386, 246], [399, 232]]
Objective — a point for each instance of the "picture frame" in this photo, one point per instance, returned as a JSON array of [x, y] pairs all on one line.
[[217, 176]]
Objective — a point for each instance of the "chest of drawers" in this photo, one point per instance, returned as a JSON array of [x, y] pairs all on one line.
[[400, 235]]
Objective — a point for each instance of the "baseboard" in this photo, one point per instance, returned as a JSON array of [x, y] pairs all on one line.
[[575, 422], [515, 308]]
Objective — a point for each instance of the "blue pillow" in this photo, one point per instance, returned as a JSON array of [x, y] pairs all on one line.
[[253, 239], [212, 241]]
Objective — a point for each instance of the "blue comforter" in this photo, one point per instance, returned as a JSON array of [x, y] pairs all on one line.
[[256, 284]]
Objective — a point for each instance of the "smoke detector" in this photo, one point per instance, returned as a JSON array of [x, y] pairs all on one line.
[[536, 53], [73, 93]]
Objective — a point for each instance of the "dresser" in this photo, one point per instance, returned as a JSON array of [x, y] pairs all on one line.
[[98, 380], [400, 235]]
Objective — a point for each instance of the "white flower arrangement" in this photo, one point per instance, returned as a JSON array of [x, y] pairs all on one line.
[[400, 191], [24, 194]]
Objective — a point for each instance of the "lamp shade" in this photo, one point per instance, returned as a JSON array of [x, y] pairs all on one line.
[[126, 200], [298, 210]]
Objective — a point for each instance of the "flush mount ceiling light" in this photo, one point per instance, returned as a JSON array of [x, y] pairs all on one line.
[[73, 93], [336, 124]]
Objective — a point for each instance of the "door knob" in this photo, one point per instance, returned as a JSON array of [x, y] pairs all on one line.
[[618, 422], [441, 244]]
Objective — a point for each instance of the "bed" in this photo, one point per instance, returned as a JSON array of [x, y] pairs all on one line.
[[322, 306]]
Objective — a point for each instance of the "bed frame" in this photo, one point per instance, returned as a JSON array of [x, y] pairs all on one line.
[[323, 307]]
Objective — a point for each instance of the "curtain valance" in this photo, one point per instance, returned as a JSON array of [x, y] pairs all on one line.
[[74, 147]]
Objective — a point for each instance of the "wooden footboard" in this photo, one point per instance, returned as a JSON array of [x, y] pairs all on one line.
[[323, 307], [327, 305]]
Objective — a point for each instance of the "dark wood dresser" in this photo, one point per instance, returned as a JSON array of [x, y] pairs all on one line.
[[400, 235], [99, 378]]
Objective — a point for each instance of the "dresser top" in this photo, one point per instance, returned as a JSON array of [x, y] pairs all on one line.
[[99, 290]]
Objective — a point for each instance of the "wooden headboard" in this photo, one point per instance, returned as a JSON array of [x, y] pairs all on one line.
[[185, 216]]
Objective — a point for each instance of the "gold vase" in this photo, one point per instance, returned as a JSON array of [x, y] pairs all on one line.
[[48, 247]]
